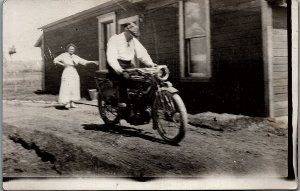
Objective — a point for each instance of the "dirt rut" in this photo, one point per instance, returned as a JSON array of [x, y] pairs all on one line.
[[65, 157]]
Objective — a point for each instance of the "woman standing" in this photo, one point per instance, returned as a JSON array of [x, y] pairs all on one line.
[[70, 82]]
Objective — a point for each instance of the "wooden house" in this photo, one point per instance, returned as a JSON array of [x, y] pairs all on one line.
[[224, 55]]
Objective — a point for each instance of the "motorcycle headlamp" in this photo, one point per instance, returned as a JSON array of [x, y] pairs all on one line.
[[162, 73]]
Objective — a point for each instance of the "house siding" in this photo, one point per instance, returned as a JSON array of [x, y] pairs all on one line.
[[236, 85], [159, 35], [159, 31], [84, 34], [280, 61]]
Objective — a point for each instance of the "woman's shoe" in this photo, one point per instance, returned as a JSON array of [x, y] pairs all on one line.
[[74, 105], [67, 106]]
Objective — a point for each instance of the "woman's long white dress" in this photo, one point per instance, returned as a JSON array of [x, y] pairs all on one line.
[[70, 81]]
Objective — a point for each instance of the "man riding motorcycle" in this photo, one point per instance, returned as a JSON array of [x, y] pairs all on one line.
[[122, 49], [148, 93]]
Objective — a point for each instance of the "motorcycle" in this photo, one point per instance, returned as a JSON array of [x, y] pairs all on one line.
[[149, 96]]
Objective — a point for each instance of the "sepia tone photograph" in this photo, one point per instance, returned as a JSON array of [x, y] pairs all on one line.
[[140, 92]]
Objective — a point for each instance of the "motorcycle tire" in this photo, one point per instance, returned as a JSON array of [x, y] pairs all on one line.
[[180, 110], [102, 111]]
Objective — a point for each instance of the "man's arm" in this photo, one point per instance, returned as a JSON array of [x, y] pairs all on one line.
[[142, 54], [112, 55]]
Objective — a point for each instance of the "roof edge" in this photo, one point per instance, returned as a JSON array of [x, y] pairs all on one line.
[[82, 13], [38, 43]]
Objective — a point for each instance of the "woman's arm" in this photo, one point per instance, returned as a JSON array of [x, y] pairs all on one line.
[[59, 60], [85, 62], [59, 63]]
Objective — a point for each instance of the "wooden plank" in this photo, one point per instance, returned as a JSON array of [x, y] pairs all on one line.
[[280, 60], [235, 29], [280, 82], [280, 68], [280, 97], [280, 105], [235, 5], [280, 45], [280, 90], [280, 38], [279, 31], [235, 33], [235, 44], [158, 4], [280, 75], [280, 52], [281, 112], [235, 20]]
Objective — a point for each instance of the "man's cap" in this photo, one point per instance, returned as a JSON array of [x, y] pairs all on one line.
[[133, 29]]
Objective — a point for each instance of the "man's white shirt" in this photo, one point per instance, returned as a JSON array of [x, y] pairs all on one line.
[[119, 48]]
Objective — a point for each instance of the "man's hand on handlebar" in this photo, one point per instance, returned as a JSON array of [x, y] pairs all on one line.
[[125, 75], [152, 65], [119, 71]]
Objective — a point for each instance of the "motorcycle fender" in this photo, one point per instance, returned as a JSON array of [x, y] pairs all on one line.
[[172, 90]]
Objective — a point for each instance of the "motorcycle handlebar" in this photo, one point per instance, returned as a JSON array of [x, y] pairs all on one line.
[[144, 70]]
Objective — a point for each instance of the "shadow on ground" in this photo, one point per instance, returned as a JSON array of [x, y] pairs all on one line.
[[44, 92], [123, 130]]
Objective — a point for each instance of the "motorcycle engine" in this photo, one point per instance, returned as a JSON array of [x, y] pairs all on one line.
[[137, 95]]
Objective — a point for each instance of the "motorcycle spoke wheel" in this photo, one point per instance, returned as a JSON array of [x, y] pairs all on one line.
[[170, 117], [108, 112]]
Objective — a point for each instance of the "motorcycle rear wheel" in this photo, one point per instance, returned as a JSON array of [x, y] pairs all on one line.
[[108, 112], [170, 117]]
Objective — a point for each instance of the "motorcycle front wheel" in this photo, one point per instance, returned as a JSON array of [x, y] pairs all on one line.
[[169, 117], [108, 111]]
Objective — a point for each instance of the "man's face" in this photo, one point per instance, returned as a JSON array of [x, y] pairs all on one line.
[[133, 29], [131, 34], [128, 35]]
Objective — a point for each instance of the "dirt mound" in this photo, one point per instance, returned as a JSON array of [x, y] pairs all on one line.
[[229, 122]]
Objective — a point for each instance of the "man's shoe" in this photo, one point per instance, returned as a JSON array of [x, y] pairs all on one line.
[[122, 105]]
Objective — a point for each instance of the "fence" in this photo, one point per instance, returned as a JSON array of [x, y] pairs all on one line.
[[22, 77]]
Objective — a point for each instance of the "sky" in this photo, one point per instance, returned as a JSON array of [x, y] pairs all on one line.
[[22, 18]]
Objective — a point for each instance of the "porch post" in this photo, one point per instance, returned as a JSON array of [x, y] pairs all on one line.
[[181, 38], [266, 18], [43, 62]]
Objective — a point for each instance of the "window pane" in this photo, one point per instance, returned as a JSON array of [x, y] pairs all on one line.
[[198, 56], [108, 31], [195, 18]]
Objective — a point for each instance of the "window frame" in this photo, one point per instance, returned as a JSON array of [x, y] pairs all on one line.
[[183, 55], [102, 20]]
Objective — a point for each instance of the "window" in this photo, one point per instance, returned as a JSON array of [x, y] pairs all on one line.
[[106, 28], [195, 39]]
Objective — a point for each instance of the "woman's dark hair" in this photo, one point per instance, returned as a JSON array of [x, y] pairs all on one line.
[[69, 45]]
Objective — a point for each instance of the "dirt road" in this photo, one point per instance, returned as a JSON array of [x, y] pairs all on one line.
[[44, 140]]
